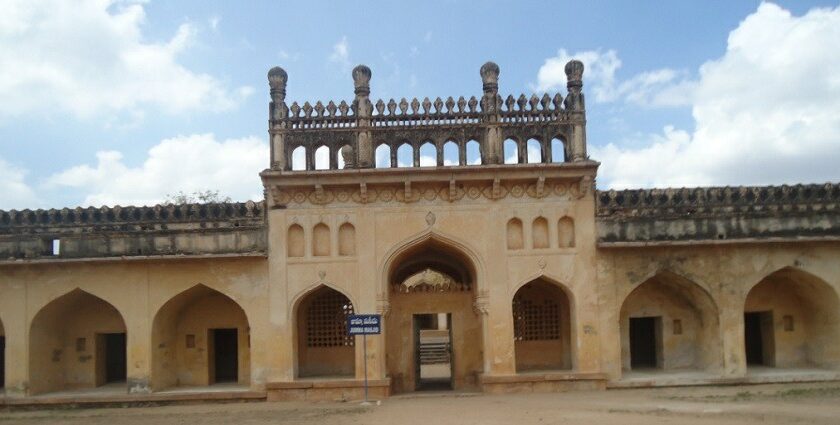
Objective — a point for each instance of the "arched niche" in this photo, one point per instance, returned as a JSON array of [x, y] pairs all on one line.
[[321, 240], [405, 156], [566, 232], [324, 347], [383, 156], [200, 337], [510, 150], [792, 320], [669, 323], [515, 236], [322, 158], [534, 151], [539, 233], [298, 160], [76, 341], [473, 153], [295, 241], [558, 150], [542, 328], [347, 240], [451, 153], [428, 155]]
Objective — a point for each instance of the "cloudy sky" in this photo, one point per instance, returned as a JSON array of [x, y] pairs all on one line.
[[124, 102]]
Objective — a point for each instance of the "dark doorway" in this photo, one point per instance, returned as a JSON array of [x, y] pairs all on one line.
[[225, 355], [115, 370], [2, 361], [644, 340], [433, 363], [758, 338]]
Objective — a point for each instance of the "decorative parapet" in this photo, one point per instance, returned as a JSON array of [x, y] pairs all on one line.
[[223, 228], [353, 131], [718, 214]]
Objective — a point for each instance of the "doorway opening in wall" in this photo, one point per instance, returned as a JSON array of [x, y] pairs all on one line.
[[224, 355], [758, 338], [111, 349], [645, 342], [433, 351]]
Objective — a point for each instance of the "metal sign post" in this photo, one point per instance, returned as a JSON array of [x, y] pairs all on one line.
[[364, 325]]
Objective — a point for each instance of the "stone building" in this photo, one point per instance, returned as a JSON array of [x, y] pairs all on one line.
[[495, 262]]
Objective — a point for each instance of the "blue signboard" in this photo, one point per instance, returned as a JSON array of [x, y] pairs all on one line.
[[364, 324]]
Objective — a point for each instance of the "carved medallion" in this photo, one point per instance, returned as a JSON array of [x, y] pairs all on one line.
[[430, 218]]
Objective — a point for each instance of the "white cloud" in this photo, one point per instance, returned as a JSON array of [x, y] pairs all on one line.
[[766, 112], [16, 193], [341, 53], [90, 56], [183, 163], [647, 88]]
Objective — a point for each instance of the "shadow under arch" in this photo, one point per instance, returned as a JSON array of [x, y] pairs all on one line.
[[432, 238], [792, 320], [200, 336], [451, 292], [544, 324], [76, 340], [670, 322], [321, 344]]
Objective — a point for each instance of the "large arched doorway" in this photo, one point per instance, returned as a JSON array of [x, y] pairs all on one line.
[[792, 320], [76, 341], [200, 337], [433, 335], [542, 328], [324, 346], [669, 323]]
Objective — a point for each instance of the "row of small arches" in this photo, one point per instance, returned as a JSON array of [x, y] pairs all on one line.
[[321, 243], [429, 154], [540, 235]]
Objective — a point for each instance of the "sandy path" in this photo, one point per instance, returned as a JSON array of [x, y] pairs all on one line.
[[812, 404]]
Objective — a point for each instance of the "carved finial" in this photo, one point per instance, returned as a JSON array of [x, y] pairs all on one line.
[[490, 77], [574, 73], [574, 82], [361, 80], [277, 79]]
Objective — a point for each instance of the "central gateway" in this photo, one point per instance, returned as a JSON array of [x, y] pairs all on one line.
[[464, 223]]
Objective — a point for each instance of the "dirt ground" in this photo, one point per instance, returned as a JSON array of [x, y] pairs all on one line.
[[811, 404]]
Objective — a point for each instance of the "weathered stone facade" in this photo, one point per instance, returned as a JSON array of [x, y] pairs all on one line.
[[542, 283]]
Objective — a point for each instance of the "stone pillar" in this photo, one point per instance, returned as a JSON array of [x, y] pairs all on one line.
[[278, 113], [577, 109], [491, 151], [363, 109]]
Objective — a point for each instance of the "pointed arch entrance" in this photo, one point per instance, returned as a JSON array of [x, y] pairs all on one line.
[[792, 320], [670, 323], [542, 327], [324, 346], [200, 337], [433, 334], [76, 341]]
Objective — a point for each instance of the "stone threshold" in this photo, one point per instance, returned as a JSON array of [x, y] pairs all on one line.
[[769, 378]]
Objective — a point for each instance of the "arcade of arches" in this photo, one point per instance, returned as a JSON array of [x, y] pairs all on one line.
[[473, 226], [199, 336]]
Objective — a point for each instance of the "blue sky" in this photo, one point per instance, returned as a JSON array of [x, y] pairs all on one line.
[[124, 102]]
